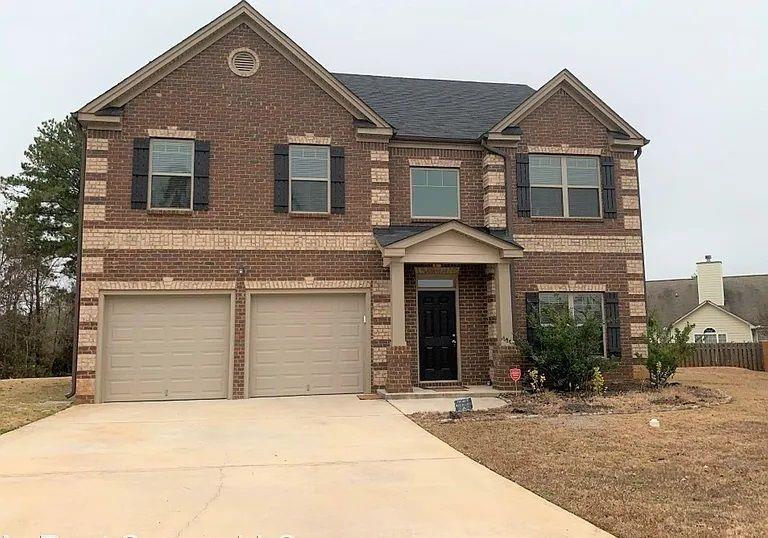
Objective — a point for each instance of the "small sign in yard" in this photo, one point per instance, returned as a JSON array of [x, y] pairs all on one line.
[[463, 405], [515, 374]]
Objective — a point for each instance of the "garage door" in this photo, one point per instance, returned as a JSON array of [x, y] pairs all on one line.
[[307, 344], [166, 347]]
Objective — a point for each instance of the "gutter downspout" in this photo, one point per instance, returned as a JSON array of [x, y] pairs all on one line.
[[78, 274], [484, 145]]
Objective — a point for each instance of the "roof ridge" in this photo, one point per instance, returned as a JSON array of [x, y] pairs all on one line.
[[435, 79]]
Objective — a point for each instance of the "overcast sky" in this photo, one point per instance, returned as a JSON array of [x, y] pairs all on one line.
[[691, 76]]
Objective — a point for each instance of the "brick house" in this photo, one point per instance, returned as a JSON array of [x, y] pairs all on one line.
[[255, 225]]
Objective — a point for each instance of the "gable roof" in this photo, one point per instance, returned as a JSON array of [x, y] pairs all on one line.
[[713, 305], [241, 13], [746, 296], [394, 234], [579, 91], [443, 109]]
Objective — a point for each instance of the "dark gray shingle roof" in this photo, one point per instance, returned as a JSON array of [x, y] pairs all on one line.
[[746, 296], [393, 234], [428, 108]]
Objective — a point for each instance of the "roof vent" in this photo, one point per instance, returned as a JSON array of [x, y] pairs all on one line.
[[243, 62]]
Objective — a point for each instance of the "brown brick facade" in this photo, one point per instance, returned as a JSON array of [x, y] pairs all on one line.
[[241, 243]]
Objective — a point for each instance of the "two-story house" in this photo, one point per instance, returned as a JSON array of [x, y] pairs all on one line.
[[254, 225]]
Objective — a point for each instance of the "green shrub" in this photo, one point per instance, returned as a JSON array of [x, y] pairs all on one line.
[[567, 351], [667, 348]]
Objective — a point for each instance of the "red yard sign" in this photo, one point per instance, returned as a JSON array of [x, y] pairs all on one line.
[[515, 374]]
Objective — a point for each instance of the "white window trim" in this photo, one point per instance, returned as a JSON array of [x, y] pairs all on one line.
[[570, 297], [327, 180], [564, 188], [191, 176], [458, 192], [710, 331]]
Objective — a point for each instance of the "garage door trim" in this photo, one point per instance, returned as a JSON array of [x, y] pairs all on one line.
[[100, 344], [326, 291]]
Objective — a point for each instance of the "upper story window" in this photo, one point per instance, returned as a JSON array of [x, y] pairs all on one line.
[[170, 173], [564, 186], [309, 172], [435, 193]]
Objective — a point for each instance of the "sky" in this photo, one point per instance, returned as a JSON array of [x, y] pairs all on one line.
[[692, 76]]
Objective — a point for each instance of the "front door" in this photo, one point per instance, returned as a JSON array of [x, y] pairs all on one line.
[[437, 336]]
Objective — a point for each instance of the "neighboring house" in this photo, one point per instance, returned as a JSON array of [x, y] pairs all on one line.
[[721, 309], [254, 225]]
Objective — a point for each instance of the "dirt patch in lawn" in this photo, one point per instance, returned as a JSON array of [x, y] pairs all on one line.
[[704, 472], [25, 400], [626, 399]]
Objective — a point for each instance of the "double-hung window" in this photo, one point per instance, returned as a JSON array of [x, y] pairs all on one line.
[[579, 305], [564, 186], [710, 336], [170, 173], [435, 193], [310, 172]]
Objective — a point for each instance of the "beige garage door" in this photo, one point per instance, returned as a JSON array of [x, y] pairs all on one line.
[[166, 347], [307, 344]]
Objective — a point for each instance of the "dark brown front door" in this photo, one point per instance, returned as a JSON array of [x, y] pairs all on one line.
[[437, 336]]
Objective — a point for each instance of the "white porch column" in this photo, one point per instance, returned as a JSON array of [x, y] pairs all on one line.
[[397, 301], [503, 303]]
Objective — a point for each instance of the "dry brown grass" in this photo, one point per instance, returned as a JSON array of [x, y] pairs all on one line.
[[25, 400], [703, 473]]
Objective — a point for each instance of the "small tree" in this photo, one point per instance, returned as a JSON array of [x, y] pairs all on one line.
[[667, 347], [567, 351]]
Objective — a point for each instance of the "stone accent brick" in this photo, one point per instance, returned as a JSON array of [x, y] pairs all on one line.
[[86, 389], [636, 287], [380, 155], [380, 218], [89, 313], [159, 239], [381, 287], [379, 354], [491, 159], [496, 220], [630, 202], [86, 362], [632, 222], [171, 132], [87, 338], [564, 149], [380, 196], [637, 330], [381, 332], [309, 138], [626, 244], [97, 144], [637, 309], [379, 378], [639, 349], [93, 264], [96, 189], [435, 162], [572, 286], [90, 288], [629, 183], [94, 212], [382, 309], [635, 266], [493, 178], [494, 199], [380, 175], [307, 283], [627, 164], [96, 165]]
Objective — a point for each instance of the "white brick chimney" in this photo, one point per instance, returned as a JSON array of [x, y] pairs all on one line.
[[709, 277]]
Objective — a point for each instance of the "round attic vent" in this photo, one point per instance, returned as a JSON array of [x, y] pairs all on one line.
[[243, 62]]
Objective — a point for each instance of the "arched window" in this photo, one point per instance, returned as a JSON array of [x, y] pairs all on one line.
[[710, 336]]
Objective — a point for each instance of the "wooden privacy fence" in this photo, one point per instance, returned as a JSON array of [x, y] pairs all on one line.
[[747, 355]]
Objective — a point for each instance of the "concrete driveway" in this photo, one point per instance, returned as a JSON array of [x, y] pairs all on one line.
[[306, 466]]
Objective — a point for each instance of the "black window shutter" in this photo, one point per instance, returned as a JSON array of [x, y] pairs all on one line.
[[613, 328], [281, 178], [523, 186], [140, 180], [202, 170], [337, 179], [531, 311], [609, 187]]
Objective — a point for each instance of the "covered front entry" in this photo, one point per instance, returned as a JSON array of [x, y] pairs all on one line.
[[438, 358]]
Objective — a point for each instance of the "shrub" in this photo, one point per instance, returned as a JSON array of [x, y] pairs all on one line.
[[536, 380], [597, 383], [667, 347], [566, 350]]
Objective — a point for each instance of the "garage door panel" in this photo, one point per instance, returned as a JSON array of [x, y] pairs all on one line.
[[307, 344], [166, 347]]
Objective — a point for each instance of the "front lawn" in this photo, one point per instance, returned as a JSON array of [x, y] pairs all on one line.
[[704, 472], [25, 400]]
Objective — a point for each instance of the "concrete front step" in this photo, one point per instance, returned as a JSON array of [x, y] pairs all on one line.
[[471, 391]]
